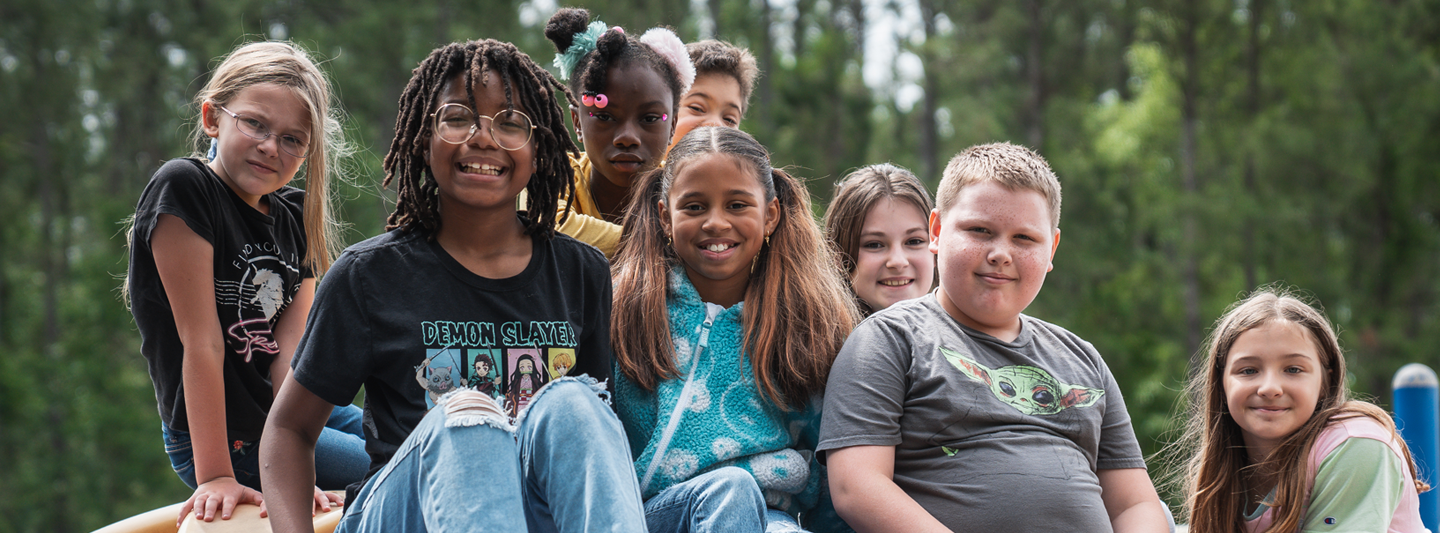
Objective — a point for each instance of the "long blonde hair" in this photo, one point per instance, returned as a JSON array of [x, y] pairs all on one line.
[[1215, 474], [797, 309], [287, 65]]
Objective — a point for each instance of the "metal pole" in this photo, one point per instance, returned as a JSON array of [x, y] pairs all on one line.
[[1417, 414]]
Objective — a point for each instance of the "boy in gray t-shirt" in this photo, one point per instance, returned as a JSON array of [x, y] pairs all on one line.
[[954, 411]]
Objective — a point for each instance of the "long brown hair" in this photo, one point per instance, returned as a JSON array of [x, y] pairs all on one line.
[[854, 196], [1216, 473], [797, 312]]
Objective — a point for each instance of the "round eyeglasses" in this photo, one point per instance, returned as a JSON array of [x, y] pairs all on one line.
[[255, 129], [456, 124]]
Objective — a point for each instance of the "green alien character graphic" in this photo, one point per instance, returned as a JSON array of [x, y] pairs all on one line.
[[1028, 389]]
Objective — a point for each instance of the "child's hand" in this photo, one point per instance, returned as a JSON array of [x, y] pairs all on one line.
[[323, 502], [220, 494]]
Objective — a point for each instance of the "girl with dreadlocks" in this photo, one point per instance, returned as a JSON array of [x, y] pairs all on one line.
[[729, 313], [630, 88], [462, 272]]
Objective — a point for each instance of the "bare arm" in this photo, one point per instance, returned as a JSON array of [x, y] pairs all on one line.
[[863, 487], [287, 456], [185, 262], [288, 331], [1130, 500]]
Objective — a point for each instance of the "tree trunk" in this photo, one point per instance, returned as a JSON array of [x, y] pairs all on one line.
[[1035, 76], [929, 130], [1189, 181], [1252, 53], [767, 67]]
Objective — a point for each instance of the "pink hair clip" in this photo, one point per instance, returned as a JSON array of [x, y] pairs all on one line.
[[587, 100], [619, 29], [601, 101]]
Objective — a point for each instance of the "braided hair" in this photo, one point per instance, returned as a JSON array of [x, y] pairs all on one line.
[[613, 49], [525, 83]]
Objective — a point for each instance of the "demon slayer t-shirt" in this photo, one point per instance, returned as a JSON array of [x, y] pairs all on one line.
[[258, 265], [401, 317], [989, 435]]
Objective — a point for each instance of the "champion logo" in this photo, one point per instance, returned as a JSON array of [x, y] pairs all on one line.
[[1330, 520]]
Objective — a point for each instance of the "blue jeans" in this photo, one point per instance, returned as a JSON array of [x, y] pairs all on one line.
[[723, 500], [564, 467], [340, 457]]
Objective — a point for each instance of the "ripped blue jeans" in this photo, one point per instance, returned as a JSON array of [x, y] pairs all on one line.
[[340, 457], [564, 466]]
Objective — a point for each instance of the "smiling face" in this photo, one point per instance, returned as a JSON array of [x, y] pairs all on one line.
[[714, 100], [253, 168], [630, 132], [893, 262], [478, 174], [993, 249], [1273, 382], [717, 217]]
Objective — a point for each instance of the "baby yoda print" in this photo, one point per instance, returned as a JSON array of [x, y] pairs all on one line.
[[1030, 390]]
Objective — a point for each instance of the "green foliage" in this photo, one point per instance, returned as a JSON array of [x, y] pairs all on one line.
[[1189, 178]]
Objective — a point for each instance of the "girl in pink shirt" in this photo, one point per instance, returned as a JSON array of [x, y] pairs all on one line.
[[1280, 447]]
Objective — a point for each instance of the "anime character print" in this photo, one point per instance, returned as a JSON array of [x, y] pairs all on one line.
[[527, 375], [561, 361], [1030, 390], [484, 374], [440, 373]]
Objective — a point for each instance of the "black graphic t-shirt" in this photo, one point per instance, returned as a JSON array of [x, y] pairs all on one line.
[[400, 316], [258, 267]]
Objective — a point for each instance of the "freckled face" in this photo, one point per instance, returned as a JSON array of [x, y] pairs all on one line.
[[893, 262], [629, 134], [714, 100], [1273, 381], [993, 248]]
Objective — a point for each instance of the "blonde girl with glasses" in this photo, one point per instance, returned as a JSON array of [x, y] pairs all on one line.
[[223, 260]]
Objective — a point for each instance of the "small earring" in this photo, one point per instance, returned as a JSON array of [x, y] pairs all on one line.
[[767, 240]]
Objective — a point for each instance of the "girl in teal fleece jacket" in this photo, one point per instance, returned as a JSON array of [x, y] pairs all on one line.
[[728, 314]]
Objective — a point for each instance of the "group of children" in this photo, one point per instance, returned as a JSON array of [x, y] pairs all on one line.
[[654, 334]]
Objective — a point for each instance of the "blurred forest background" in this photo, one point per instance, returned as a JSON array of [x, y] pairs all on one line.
[[1205, 147]]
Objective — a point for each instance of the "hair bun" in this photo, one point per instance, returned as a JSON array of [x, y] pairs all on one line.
[[670, 47], [563, 26], [572, 37]]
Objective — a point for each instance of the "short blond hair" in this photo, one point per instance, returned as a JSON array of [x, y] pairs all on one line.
[[1016, 167]]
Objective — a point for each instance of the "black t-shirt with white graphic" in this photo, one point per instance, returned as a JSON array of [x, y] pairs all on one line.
[[400, 316], [258, 267]]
